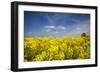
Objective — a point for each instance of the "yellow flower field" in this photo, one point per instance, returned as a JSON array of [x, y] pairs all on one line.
[[56, 48]]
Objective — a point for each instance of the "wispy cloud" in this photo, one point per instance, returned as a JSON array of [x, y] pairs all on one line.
[[49, 27], [48, 30], [54, 30], [61, 28], [51, 22], [82, 27], [55, 27]]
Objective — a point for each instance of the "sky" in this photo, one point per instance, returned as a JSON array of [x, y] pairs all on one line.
[[55, 24]]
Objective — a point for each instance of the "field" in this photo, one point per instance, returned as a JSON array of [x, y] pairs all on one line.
[[56, 48]]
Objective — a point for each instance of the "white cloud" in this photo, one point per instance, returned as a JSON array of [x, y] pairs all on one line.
[[61, 27], [55, 27], [76, 30], [53, 30], [50, 27], [82, 27], [48, 30], [29, 32]]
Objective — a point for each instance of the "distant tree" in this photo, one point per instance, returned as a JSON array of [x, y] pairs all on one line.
[[83, 34]]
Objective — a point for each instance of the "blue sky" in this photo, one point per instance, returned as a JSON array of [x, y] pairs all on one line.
[[55, 24]]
